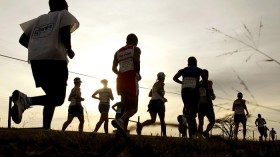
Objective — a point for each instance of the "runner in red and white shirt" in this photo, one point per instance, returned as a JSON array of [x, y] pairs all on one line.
[[126, 65]]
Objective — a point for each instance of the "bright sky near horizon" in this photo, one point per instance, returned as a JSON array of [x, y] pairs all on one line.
[[168, 32]]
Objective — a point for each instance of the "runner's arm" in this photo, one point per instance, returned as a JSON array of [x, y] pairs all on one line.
[[111, 95], [94, 95], [115, 65], [114, 107], [150, 93], [247, 111], [160, 91], [213, 96], [24, 40], [66, 40], [176, 77], [78, 95], [137, 53]]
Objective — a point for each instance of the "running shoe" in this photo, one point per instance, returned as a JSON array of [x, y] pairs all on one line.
[[205, 134], [21, 103], [93, 134], [118, 123]]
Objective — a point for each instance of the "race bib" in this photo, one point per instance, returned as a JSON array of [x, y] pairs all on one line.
[[202, 91], [189, 82], [126, 65], [239, 110]]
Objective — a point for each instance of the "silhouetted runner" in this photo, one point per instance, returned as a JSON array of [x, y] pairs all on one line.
[[104, 96], [126, 65], [75, 108], [190, 92], [156, 105], [272, 134], [205, 107], [239, 107], [48, 39], [260, 123]]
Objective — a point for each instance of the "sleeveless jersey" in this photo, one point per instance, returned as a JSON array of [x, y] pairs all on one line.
[[205, 96], [190, 77], [75, 96], [261, 122], [155, 94], [125, 57], [104, 95], [239, 106]]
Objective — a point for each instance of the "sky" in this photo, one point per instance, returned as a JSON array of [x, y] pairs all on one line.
[[241, 56]]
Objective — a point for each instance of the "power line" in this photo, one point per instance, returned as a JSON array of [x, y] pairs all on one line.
[[79, 73], [13, 58], [139, 87]]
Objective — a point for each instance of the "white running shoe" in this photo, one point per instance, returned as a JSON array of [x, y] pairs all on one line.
[[21, 103]]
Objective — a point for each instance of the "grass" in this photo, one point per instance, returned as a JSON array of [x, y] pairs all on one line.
[[36, 142]]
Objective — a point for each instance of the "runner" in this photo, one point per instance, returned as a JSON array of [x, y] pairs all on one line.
[[265, 133], [182, 127], [156, 105], [260, 123], [128, 75], [205, 107], [75, 108], [272, 134], [239, 105], [118, 108], [48, 39], [105, 94], [190, 92]]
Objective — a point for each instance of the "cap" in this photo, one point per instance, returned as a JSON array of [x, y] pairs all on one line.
[[160, 75], [104, 81], [77, 79]]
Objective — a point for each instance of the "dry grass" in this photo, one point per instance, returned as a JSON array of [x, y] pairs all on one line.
[[34, 142]]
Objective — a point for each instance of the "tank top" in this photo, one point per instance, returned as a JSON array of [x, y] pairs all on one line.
[[261, 122], [155, 94], [75, 96], [125, 57], [239, 106], [104, 95]]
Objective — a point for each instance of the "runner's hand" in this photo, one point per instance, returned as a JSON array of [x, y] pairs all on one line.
[[138, 76], [70, 53]]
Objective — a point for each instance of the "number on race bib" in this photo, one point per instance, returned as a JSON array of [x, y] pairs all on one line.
[[126, 65], [189, 82]]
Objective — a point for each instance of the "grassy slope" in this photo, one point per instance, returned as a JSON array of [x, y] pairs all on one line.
[[34, 142]]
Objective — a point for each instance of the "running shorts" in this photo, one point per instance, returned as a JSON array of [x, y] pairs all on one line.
[[104, 107], [156, 106], [240, 118], [75, 110]]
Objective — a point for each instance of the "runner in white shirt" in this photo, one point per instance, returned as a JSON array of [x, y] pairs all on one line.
[[156, 105], [260, 123], [105, 94], [48, 39]]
